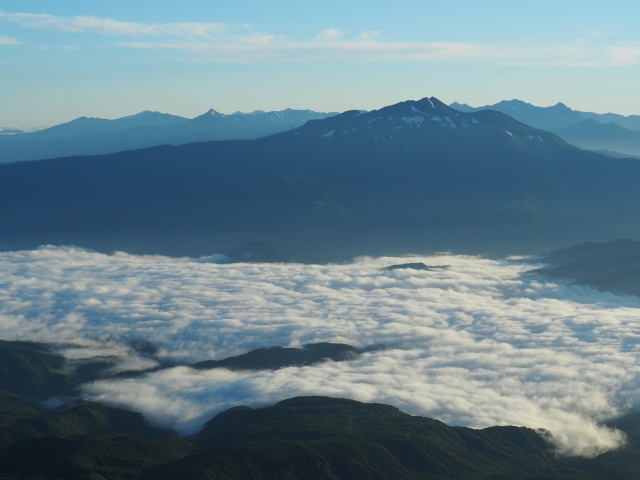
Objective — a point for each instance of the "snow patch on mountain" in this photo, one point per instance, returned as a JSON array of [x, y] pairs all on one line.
[[413, 120], [329, 134]]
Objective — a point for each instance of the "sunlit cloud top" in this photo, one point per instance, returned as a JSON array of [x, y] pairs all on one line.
[[523, 348]]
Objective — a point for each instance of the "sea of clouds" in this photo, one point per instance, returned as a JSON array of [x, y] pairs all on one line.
[[480, 343]]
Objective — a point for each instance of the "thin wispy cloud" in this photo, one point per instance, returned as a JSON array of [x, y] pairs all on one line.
[[4, 40], [625, 54], [366, 47], [330, 34], [112, 27], [582, 53], [478, 344], [217, 41], [269, 48]]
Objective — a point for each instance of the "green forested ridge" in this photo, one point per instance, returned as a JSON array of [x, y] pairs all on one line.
[[32, 369], [274, 358], [88, 457], [78, 440], [78, 420], [305, 437]]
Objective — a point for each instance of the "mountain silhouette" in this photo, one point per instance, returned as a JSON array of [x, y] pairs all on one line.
[[609, 132], [92, 136], [414, 176]]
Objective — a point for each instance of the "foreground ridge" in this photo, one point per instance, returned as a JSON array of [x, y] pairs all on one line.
[[303, 437]]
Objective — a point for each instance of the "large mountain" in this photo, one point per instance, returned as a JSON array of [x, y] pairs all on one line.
[[91, 136], [413, 176], [604, 132]]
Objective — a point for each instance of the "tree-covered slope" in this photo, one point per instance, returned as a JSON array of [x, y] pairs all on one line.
[[304, 437], [325, 438], [32, 369]]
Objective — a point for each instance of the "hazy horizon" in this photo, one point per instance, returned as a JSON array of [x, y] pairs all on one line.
[[71, 59], [29, 128]]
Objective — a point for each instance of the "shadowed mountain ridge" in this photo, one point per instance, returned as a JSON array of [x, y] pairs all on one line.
[[415, 176]]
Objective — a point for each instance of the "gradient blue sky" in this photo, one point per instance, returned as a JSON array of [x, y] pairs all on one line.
[[64, 59]]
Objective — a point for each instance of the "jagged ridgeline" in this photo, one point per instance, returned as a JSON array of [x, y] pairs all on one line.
[[613, 134], [93, 136]]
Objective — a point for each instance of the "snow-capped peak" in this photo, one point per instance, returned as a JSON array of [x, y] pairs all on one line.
[[214, 113]]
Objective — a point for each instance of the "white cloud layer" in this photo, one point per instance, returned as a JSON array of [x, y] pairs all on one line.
[[481, 343]]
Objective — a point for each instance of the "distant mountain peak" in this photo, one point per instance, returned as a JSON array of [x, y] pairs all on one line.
[[214, 113], [434, 103], [147, 113], [462, 107], [281, 113], [255, 112], [86, 136], [426, 106], [514, 103], [552, 118], [561, 106], [210, 115]]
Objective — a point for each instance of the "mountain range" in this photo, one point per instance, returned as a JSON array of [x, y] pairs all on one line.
[[610, 133], [91, 136], [414, 176]]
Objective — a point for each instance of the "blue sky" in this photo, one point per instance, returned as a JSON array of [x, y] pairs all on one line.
[[64, 59]]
